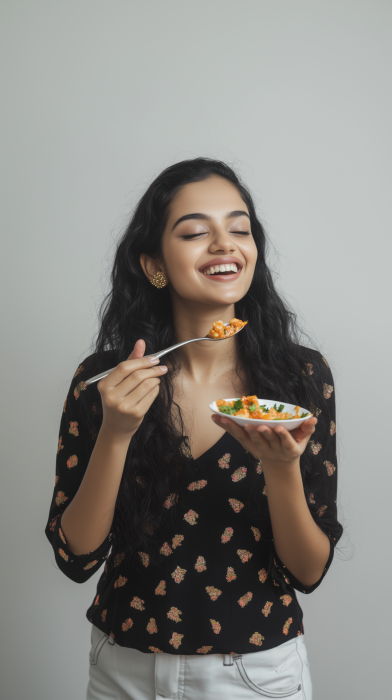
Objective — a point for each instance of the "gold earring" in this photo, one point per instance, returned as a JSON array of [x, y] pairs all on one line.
[[159, 280]]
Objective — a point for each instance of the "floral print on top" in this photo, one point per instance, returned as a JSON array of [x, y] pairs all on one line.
[[221, 588]]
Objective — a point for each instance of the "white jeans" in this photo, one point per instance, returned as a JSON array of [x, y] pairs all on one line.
[[120, 673]]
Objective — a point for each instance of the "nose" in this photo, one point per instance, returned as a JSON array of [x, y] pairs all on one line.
[[222, 241]]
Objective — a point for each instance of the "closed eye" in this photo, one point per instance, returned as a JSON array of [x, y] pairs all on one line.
[[193, 235]]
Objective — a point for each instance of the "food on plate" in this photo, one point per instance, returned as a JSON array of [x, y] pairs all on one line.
[[219, 330], [249, 407]]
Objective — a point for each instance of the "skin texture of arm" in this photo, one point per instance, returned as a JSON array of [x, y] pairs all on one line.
[[87, 520], [127, 392], [299, 542]]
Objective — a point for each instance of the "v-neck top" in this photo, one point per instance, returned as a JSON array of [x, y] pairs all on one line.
[[221, 587]]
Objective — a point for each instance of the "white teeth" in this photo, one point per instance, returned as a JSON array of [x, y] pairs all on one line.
[[221, 268]]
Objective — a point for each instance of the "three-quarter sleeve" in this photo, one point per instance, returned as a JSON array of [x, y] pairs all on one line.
[[321, 459], [73, 454]]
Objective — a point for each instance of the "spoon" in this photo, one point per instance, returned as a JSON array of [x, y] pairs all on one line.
[[161, 353]]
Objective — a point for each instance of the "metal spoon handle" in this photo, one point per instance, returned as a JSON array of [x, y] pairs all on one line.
[[161, 353]]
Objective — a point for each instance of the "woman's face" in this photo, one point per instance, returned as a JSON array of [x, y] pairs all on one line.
[[215, 231]]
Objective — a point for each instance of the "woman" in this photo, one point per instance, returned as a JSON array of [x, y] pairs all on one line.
[[208, 528]]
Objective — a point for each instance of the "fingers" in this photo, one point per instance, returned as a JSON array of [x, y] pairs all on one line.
[[309, 424], [231, 427], [138, 350], [275, 445], [126, 376], [265, 442], [275, 439], [128, 391], [142, 406], [305, 430], [279, 437], [235, 430], [267, 433], [128, 367], [280, 440], [140, 382], [136, 393]]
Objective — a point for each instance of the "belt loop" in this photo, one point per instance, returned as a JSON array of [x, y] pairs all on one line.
[[228, 660]]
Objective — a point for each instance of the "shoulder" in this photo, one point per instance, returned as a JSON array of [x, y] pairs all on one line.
[[314, 363], [312, 354], [90, 366], [83, 403], [320, 388]]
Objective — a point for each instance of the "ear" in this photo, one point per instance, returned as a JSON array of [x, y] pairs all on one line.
[[151, 266]]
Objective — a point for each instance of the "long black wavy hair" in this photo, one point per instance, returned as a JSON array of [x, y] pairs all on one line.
[[269, 353]]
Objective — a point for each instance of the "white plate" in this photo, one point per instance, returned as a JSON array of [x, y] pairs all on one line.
[[289, 424]]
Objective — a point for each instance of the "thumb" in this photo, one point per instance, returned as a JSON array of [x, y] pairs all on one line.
[[138, 350], [305, 430]]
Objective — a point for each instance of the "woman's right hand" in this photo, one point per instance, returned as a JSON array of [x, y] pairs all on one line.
[[128, 391]]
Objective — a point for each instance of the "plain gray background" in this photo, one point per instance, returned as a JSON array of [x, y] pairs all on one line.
[[98, 97]]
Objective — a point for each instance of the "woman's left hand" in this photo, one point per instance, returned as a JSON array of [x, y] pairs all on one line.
[[276, 445]]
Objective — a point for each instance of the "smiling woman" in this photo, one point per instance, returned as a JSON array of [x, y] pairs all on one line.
[[203, 237], [208, 526]]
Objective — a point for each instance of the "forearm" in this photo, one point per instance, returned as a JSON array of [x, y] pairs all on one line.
[[300, 544], [87, 520]]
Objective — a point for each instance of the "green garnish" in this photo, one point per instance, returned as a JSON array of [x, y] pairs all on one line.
[[252, 408], [224, 332], [280, 409], [230, 410], [303, 415]]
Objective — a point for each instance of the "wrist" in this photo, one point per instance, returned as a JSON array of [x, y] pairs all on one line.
[[107, 435], [274, 470]]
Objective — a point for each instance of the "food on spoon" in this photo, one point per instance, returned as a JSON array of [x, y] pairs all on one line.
[[219, 330], [249, 407]]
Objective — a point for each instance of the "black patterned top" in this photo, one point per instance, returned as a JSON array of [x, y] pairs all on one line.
[[221, 587]]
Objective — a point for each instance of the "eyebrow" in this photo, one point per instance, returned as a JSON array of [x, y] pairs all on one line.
[[205, 217]]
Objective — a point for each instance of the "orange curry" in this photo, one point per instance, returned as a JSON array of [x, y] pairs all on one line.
[[252, 409], [219, 330]]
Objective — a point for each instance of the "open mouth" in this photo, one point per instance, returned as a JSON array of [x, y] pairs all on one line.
[[230, 269]]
